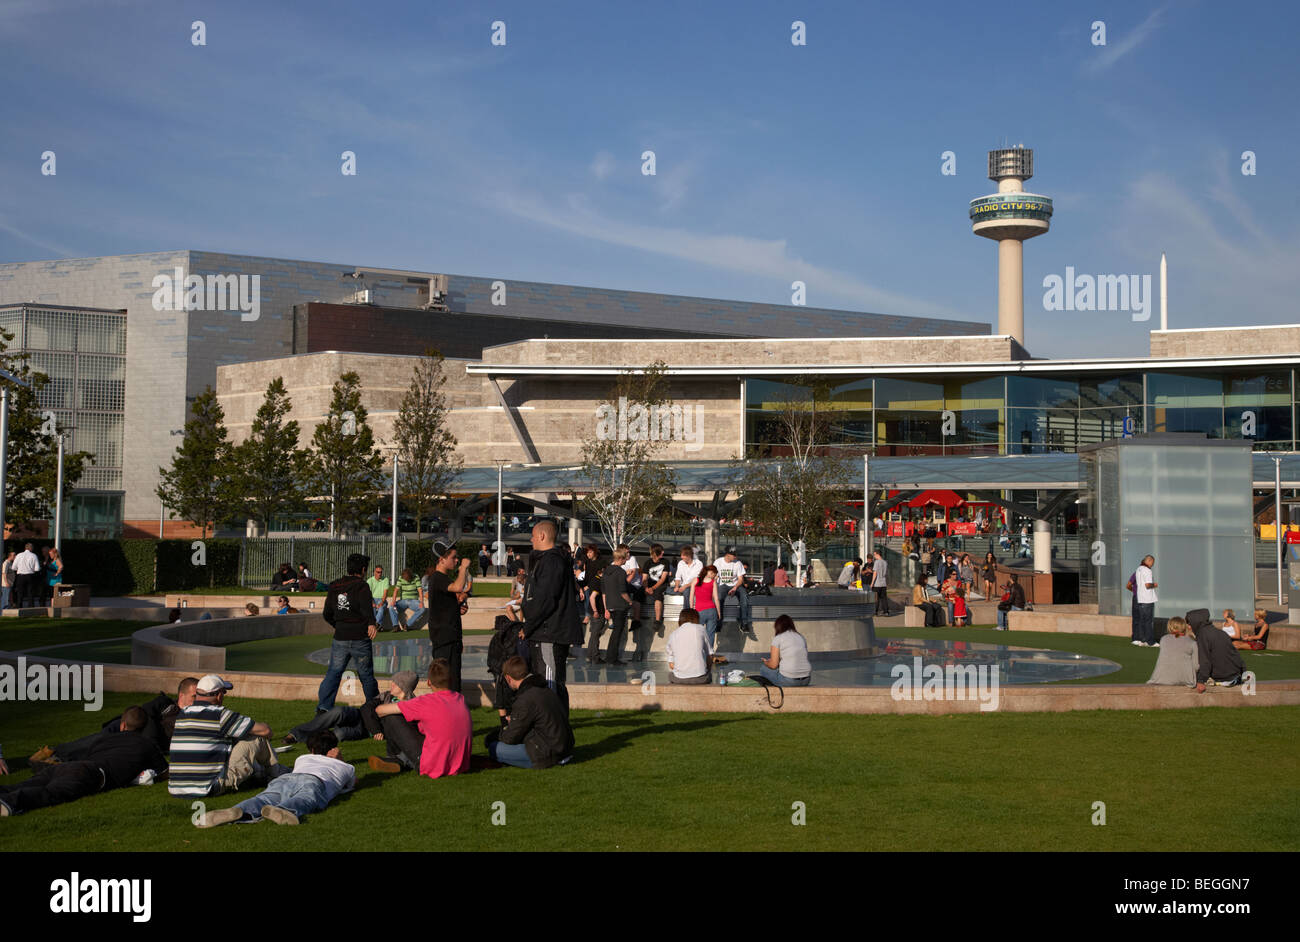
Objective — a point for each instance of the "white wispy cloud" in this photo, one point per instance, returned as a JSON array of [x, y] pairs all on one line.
[[769, 259], [60, 251], [1109, 54]]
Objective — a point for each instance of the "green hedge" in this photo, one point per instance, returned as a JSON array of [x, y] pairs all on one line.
[[176, 568]]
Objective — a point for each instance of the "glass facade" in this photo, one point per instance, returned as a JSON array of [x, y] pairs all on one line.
[[83, 352], [1016, 413]]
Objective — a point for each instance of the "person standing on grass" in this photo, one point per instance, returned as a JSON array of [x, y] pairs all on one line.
[[444, 722], [317, 779], [617, 597], [1144, 603], [484, 560], [538, 735], [53, 571], [350, 610], [448, 584], [26, 574], [552, 619]]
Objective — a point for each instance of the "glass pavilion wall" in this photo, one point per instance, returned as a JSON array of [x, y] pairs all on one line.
[[1021, 413]]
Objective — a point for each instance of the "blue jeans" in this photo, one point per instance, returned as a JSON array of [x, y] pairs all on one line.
[[709, 620], [516, 755], [776, 677], [341, 652], [742, 599], [1002, 616], [297, 793], [411, 607], [381, 616], [4, 598], [345, 721]]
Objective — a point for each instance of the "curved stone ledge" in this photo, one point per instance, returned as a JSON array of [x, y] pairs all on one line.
[[195, 646], [1055, 698]]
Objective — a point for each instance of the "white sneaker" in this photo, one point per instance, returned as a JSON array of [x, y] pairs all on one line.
[[1138, 644]]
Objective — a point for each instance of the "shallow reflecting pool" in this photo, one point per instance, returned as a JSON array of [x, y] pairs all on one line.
[[1016, 665]]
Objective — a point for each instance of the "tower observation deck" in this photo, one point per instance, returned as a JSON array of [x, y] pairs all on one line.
[[1010, 216]]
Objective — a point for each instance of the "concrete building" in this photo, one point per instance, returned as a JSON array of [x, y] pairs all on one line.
[[189, 313]]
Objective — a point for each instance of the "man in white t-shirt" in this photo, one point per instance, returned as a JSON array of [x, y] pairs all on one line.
[[1144, 602], [316, 780], [688, 650], [731, 583], [26, 586], [688, 572]]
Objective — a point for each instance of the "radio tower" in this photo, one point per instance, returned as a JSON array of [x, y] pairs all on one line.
[[1010, 217]]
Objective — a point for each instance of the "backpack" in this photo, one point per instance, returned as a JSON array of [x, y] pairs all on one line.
[[502, 646], [1133, 583]]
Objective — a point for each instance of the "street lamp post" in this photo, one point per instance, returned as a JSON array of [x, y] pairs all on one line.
[[392, 559], [499, 547], [58, 500]]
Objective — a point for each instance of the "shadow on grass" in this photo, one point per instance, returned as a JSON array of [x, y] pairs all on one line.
[[612, 744]]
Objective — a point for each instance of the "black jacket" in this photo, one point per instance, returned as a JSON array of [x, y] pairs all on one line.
[[1216, 656], [550, 606], [349, 608], [537, 720]]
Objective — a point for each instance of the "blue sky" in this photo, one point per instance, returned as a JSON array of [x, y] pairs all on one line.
[[774, 162]]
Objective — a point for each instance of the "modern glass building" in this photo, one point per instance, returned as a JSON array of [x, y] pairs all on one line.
[[1033, 408], [83, 351]]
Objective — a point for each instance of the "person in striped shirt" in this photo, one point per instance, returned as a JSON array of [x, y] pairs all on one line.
[[214, 749]]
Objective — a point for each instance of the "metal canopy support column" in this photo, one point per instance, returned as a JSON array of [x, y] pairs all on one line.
[[524, 441]]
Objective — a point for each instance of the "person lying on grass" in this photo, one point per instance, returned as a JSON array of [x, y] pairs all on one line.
[[317, 779], [444, 722], [160, 719], [538, 735], [115, 760]]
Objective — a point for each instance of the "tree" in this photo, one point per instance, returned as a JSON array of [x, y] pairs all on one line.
[[272, 472], [32, 468], [788, 497], [626, 486], [426, 448], [200, 485], [348, 466]]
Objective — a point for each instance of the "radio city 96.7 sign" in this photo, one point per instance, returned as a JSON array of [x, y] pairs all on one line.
[[1011, 204]]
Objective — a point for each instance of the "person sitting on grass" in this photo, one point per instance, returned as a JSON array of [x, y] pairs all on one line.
[[215, 749], [687, 650], [1257, 639], [1177, 662], [1218, 660], [538, 735], [787, 665], [160, 719], [444, 722], [317, 779], [349, 722], [111, 762], [285, 578]]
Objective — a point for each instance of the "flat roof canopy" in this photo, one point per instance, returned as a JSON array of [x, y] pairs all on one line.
[[961, 472]]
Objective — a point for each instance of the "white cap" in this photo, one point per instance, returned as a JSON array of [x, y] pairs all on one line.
[[212, 683]]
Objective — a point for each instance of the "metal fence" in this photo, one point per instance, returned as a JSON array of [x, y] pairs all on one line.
[[260, 557]]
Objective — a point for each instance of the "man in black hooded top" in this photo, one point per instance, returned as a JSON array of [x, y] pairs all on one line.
[[552, 618], [1214, 651]]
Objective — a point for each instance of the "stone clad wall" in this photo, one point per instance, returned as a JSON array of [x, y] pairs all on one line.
[[1227, 341], [193, 646]]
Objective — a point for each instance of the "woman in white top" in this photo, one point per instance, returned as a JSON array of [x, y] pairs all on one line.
[[788, 665]]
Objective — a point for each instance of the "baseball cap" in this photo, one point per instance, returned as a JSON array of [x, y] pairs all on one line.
[[731, 550], [212, 683], [441, 549], [406, 680]]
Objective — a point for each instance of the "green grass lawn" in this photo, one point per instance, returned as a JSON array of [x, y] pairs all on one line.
[[1136, 664], [670, 781], [19, 634]]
